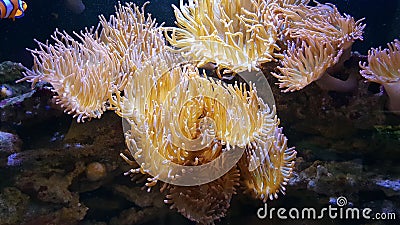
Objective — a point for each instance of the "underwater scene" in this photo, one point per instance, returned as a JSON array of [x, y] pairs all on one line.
[[199, 112]]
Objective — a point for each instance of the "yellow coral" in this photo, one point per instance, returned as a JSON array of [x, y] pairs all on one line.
[[169, 110], [304, 63], [194, 105], [318, 38], [323, 22], [233, 35], [82, 73], [275, 166], [85, 71], [133, 36], [383, 65], [384, 68]]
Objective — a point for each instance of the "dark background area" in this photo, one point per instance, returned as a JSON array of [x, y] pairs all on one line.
[[44, 16], [382, 18]]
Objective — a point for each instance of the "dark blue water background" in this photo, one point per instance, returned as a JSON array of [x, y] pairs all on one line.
[[44, 16]]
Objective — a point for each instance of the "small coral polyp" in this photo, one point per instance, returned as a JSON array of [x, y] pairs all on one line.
[[384, 68]]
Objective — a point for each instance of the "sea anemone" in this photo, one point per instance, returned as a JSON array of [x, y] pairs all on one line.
[[305, 62], [319, 40], [275, 163], [204, 115], [180, 122], [322, 22], [232, 35], [80, 71], [85, 71], [384, 68], [133, 36]]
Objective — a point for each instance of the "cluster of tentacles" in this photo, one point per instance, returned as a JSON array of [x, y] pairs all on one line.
[[384, 68], [239, 35], [179, 118]]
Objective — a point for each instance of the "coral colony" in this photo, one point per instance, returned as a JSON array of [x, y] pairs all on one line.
[[149, 75]]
